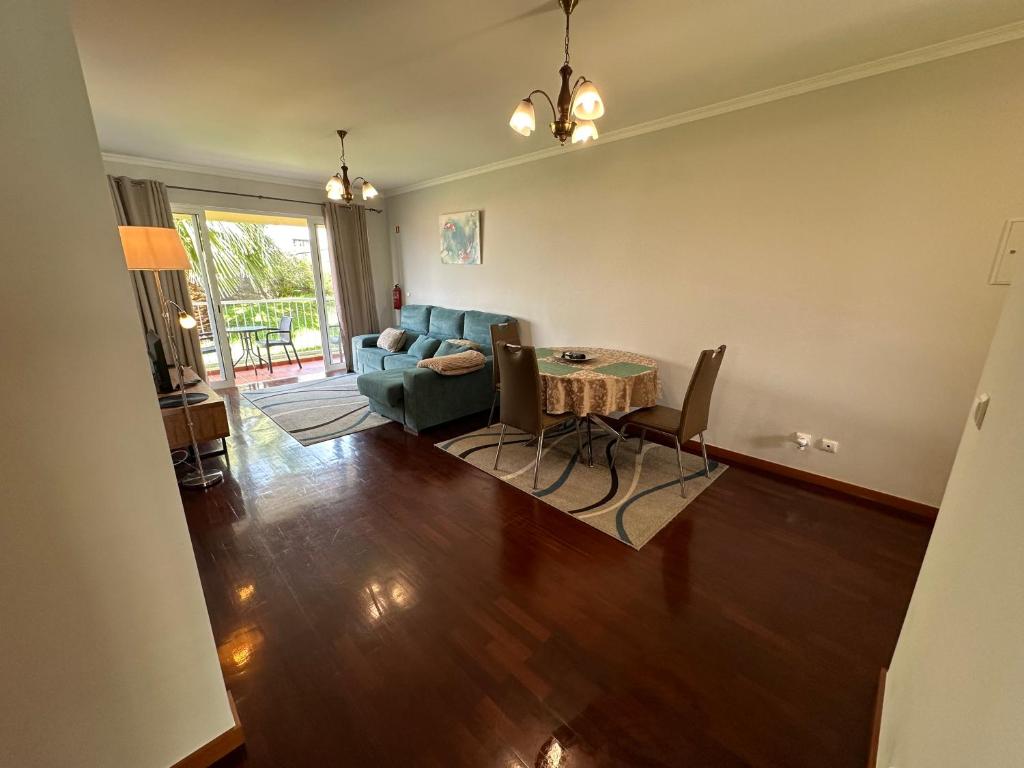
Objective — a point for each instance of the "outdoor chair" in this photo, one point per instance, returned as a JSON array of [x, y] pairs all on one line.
[[282, 337]]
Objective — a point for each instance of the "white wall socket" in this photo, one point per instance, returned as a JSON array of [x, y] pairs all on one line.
[[829, 446], [802, 439]]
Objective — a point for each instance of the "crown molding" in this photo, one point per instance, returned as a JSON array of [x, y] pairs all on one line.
[[227, 173], [943, 50]]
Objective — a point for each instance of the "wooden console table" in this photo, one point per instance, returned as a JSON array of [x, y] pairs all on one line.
[[209, 418]]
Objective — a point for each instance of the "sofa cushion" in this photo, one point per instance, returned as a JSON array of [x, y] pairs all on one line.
[[372, 358], [446, 323], [411, 337], [396, 362], [465, 344], [424, 347], [478, 326], [382, 386], [455, 365], [416, 317], [391, 339], [449, 347]]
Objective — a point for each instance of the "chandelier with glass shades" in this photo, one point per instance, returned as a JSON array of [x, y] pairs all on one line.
[[578, 106], [339, 187]]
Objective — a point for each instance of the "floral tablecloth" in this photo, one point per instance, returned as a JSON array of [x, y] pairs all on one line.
[[612, 381]]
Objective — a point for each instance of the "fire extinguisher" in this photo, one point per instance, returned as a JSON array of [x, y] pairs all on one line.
[[396, 296]]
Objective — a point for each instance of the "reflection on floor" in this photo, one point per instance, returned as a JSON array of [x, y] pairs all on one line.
[[376, 601], [282, 370]]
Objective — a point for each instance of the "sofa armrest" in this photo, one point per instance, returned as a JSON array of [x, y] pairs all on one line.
[[366, 340], [362, 342]]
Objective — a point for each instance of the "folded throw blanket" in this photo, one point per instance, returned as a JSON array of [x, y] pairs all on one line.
[[454, 365]]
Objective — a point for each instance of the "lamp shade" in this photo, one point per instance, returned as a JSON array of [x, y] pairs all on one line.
[[153, 248], [335, 187], [369, 191], [524, 119], [584, 131], [588, 105]]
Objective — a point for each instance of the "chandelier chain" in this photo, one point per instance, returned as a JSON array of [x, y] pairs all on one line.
[[567, 38]]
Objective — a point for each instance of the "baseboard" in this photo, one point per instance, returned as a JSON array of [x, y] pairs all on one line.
[[918, 509], [220, 746], [898, 503], [887, 500], [876, 722]]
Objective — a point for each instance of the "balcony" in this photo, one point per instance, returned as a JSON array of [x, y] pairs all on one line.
[[268, 312]]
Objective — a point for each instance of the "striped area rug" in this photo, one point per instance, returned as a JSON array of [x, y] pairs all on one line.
[[314, 411], [631, 501]]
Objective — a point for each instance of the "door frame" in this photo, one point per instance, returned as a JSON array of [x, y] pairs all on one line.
[[330, 364], [213, 290], [209, 278]]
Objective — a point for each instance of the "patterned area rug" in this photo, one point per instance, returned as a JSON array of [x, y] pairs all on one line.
[[632, 502], [314, 411]]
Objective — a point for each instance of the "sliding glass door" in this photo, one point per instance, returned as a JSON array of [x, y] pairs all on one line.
[[265, 310], [335, 351], [190, 232]]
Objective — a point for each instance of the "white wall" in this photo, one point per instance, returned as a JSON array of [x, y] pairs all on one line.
[[955, 690], [106, 653], [376, 223], [838, 242]]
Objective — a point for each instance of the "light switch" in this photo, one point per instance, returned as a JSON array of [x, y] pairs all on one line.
[[980, 409]]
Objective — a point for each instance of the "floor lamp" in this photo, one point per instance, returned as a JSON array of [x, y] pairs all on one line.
[[159, 249]]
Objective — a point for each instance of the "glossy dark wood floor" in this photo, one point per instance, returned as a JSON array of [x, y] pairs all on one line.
[[378, 602]]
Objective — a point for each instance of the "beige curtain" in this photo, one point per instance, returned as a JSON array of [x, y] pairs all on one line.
[[351, 273], [144, 203]]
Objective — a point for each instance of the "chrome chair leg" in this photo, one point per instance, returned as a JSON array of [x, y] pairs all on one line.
[[494, 403], [579, 437], [590, 442], [536, 466], [497, 453], [704, 450], [682, 477], [615, 450]]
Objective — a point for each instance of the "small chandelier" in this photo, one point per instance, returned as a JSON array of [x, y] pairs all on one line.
[[578, 106], [339, 187]]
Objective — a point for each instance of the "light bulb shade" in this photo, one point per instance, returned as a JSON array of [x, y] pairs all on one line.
[[524, 119], [584, 131], [588, 104], [335, 187], [369, 191], [153, 248], [186, 321]]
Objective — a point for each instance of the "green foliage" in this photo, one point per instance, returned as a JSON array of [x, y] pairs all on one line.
[[249, 263]]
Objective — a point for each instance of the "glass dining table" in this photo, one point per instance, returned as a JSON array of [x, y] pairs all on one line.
[[249, 335], [609, 381]]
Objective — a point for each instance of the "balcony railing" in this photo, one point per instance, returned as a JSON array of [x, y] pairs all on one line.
[[268, 312]]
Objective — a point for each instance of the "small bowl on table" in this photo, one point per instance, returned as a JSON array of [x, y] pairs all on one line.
[[572, 356]]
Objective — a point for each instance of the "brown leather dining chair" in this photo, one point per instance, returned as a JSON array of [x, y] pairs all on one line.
[[500, 332], [691, 421], [521, 405]]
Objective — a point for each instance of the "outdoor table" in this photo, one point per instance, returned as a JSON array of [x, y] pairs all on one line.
[[250, 351]]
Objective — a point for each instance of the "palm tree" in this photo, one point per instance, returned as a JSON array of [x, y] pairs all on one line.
[[248, 262]]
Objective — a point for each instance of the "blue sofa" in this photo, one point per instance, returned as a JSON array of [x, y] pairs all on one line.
[[419, 398]]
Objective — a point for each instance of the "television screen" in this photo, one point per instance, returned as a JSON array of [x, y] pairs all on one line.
[[158, 362]]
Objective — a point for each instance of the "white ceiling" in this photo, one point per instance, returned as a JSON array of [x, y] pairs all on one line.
[[426, 87]]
